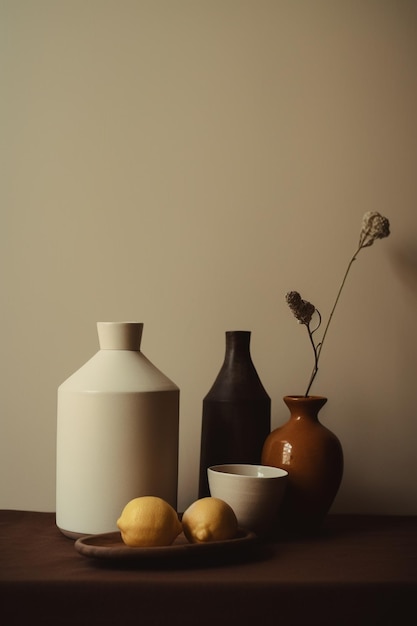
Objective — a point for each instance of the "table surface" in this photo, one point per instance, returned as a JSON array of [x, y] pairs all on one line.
[[357, 570]]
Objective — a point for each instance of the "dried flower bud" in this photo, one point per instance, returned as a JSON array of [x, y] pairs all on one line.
[[302, 309], [374, 226]]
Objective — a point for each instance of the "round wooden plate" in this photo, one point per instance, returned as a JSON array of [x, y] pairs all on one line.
[[110, 546]]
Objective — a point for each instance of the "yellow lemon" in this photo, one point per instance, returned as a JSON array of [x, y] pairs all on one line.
[[209, 519], [148, 521]]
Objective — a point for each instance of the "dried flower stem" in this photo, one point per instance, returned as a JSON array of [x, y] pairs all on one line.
[[318, 348], [374, 226], [316, 351]]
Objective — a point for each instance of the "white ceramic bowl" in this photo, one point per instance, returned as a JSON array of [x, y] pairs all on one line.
[[254, 492]]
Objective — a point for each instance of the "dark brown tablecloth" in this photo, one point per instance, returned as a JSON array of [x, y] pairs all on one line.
[[358, 570]]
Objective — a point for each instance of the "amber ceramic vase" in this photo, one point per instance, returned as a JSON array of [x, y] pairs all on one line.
[[313, 457]]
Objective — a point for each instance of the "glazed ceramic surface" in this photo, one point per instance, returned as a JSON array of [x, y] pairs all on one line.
[[117, 434], [236, 411], [254, 492], [313, 457]]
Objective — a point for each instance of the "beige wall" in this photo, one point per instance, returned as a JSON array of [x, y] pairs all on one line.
[[184, 164]]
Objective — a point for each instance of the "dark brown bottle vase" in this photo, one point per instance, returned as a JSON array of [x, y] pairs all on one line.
[[236, 411]]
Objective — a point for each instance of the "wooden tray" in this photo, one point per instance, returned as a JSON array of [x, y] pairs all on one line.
[[111, 547]]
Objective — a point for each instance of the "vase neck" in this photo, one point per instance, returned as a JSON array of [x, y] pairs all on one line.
[[237, 345], [305, 407], [120, 335]]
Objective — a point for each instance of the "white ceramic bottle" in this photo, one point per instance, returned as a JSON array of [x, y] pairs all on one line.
[[117, 434]]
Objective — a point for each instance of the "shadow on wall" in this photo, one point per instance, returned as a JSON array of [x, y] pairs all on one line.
[[364, 491], [404, 260], [405, 264]]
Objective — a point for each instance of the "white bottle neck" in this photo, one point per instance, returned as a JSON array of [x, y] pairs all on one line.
[[120, 335]]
